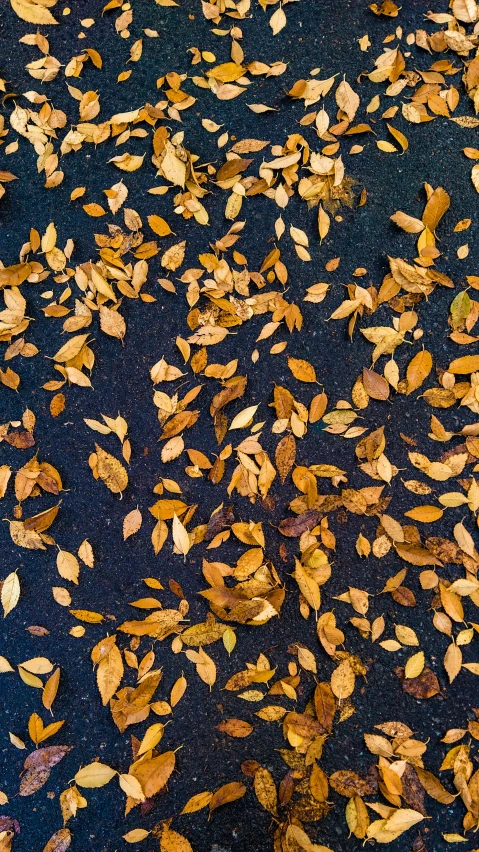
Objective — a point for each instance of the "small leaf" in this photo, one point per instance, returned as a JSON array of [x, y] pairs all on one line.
[[10, 593]]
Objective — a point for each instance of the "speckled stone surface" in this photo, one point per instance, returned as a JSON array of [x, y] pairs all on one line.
[[320, 33]]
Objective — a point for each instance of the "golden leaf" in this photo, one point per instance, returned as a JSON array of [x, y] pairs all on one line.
[[109, 674], [302, 370], [197, 802], [159, 226], [265, 790], [343, 680], [127, 162], [111, 471], [33, 13], [418, 369]]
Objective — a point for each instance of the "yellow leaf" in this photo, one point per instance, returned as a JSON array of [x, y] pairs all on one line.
[[323, 225], [387, 830], [87, 615], [244, 417], [151, 737], [33, 13], [277, 21], [465, 365], [127, 162], [70, 349], [308, 586], [93, 209], [35, 728], [453, 661], [16, 741], [425, 514], [171, 841], [208, 335], [302, 370], [347, 99], [94, 775], [159, 226], [30, 679], [399, 137], [37, 665], [159, 536], [418, 370], [386, 146], [172, 168], [111, 471], [228, 72], [178, 690], [407, 223], [49, 238], [205, 666], [406, 635], [475, 176], [229, 640], [197, 802], [67, 565], [112, 322], [50, 690], [153, 774], [109, 674], [265, 790], [85, 552], [414, 665], [10, 593], [136, 834], [181, 538], [132, 787], [227, 793], [343, 680]]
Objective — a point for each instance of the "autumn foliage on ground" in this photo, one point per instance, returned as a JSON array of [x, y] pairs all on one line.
[[280, 499]]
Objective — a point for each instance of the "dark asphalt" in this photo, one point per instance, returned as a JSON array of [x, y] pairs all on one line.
[[318, 34]]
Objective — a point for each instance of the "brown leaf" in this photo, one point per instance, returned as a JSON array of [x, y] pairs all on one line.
[[265, 790], [325, 705], [59, 842], [294, 527], [227, 793], [285, 455], [375, 385], [349, 783], [235, 728], [422, 687]]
